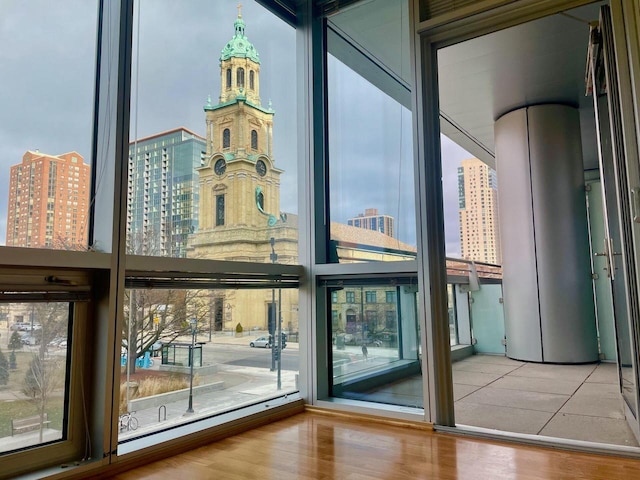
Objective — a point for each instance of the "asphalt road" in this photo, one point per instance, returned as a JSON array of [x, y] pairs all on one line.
[[245, 356]]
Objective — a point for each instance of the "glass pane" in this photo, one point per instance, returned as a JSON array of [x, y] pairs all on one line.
[[33, 373], [197, 353], [453, 319], [371, 194], [212, 168], [487, 318], [526, 391], [45, 157], [376, 344]]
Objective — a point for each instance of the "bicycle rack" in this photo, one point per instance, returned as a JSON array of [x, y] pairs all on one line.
[[160, 408]]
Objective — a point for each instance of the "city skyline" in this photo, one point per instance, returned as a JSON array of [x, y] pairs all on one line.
[[167, 98]]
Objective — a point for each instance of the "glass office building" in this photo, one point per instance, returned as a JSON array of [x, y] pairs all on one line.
[[163, 192]]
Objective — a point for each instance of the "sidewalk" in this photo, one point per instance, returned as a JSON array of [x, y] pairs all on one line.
[[259, 384]]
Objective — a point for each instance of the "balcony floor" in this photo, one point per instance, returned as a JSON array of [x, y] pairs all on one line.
[[579, 402]]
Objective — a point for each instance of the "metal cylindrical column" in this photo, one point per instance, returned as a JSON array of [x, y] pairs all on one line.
[[548, 299]]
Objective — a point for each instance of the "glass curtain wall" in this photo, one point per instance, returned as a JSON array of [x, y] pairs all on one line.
[[45, 169], [371, 194], [566, 386], [182, 370], [212, 177], [372, 326], [47, 78], [375, 354]]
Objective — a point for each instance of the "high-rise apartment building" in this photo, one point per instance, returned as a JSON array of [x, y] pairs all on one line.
[[163, 192], [372, 220], [478, 212], [49, 202]]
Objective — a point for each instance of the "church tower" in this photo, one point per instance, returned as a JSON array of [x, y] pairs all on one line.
[[239, 206]]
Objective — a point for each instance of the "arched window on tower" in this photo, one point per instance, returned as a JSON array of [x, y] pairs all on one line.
[[240, 77], [226, 138], [252, 80], [228, 78], [254, 139]]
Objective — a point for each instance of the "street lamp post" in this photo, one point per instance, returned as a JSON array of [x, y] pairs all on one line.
[[279, 339], [274, 257], [194, 329], [211, 306]]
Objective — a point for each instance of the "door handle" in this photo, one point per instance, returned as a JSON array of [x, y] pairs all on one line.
[[635, 204], [608, 263]]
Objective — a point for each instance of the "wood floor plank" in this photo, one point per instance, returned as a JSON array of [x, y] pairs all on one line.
[[322, 447]]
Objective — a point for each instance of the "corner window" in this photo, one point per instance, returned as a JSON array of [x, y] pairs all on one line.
[[228, 78], [252, 80]]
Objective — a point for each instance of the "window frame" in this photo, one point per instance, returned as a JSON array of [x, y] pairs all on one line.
[[240, 77], [79, 375], [226, 138], [220, 209]]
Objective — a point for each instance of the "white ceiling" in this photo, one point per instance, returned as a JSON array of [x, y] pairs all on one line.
[[542, 61]]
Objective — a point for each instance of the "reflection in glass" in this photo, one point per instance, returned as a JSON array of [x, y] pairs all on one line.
[[371, 171], [221, 333], [371, 178], [375, 344], [33, 373], [619, 281], [196, 163]]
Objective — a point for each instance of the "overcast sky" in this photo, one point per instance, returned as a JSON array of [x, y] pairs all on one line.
[[47, 97]]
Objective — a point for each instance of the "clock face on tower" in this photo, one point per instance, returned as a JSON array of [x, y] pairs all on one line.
[[261, 168], [220, 167]]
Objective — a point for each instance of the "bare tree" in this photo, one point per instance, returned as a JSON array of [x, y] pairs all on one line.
[[160, 315], [46, 375]]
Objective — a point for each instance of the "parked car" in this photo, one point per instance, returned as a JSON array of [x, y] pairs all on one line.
[[372, 342], [30, 340], [21, 326], [260, 342], [56, 341]]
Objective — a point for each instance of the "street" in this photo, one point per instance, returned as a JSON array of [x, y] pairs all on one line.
[[245, 356]]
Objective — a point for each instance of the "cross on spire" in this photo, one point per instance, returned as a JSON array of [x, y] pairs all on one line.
[[239, 10]]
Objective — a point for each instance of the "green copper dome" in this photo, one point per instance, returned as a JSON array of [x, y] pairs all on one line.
[[239, 46]]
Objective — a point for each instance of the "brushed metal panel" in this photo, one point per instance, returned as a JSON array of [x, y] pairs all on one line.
[[567, 312], [522, 318]]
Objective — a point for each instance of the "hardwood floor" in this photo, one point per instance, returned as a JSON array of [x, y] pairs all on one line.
[[317, 446]]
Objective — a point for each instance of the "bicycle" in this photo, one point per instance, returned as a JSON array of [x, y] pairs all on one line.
[[128, 421]]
